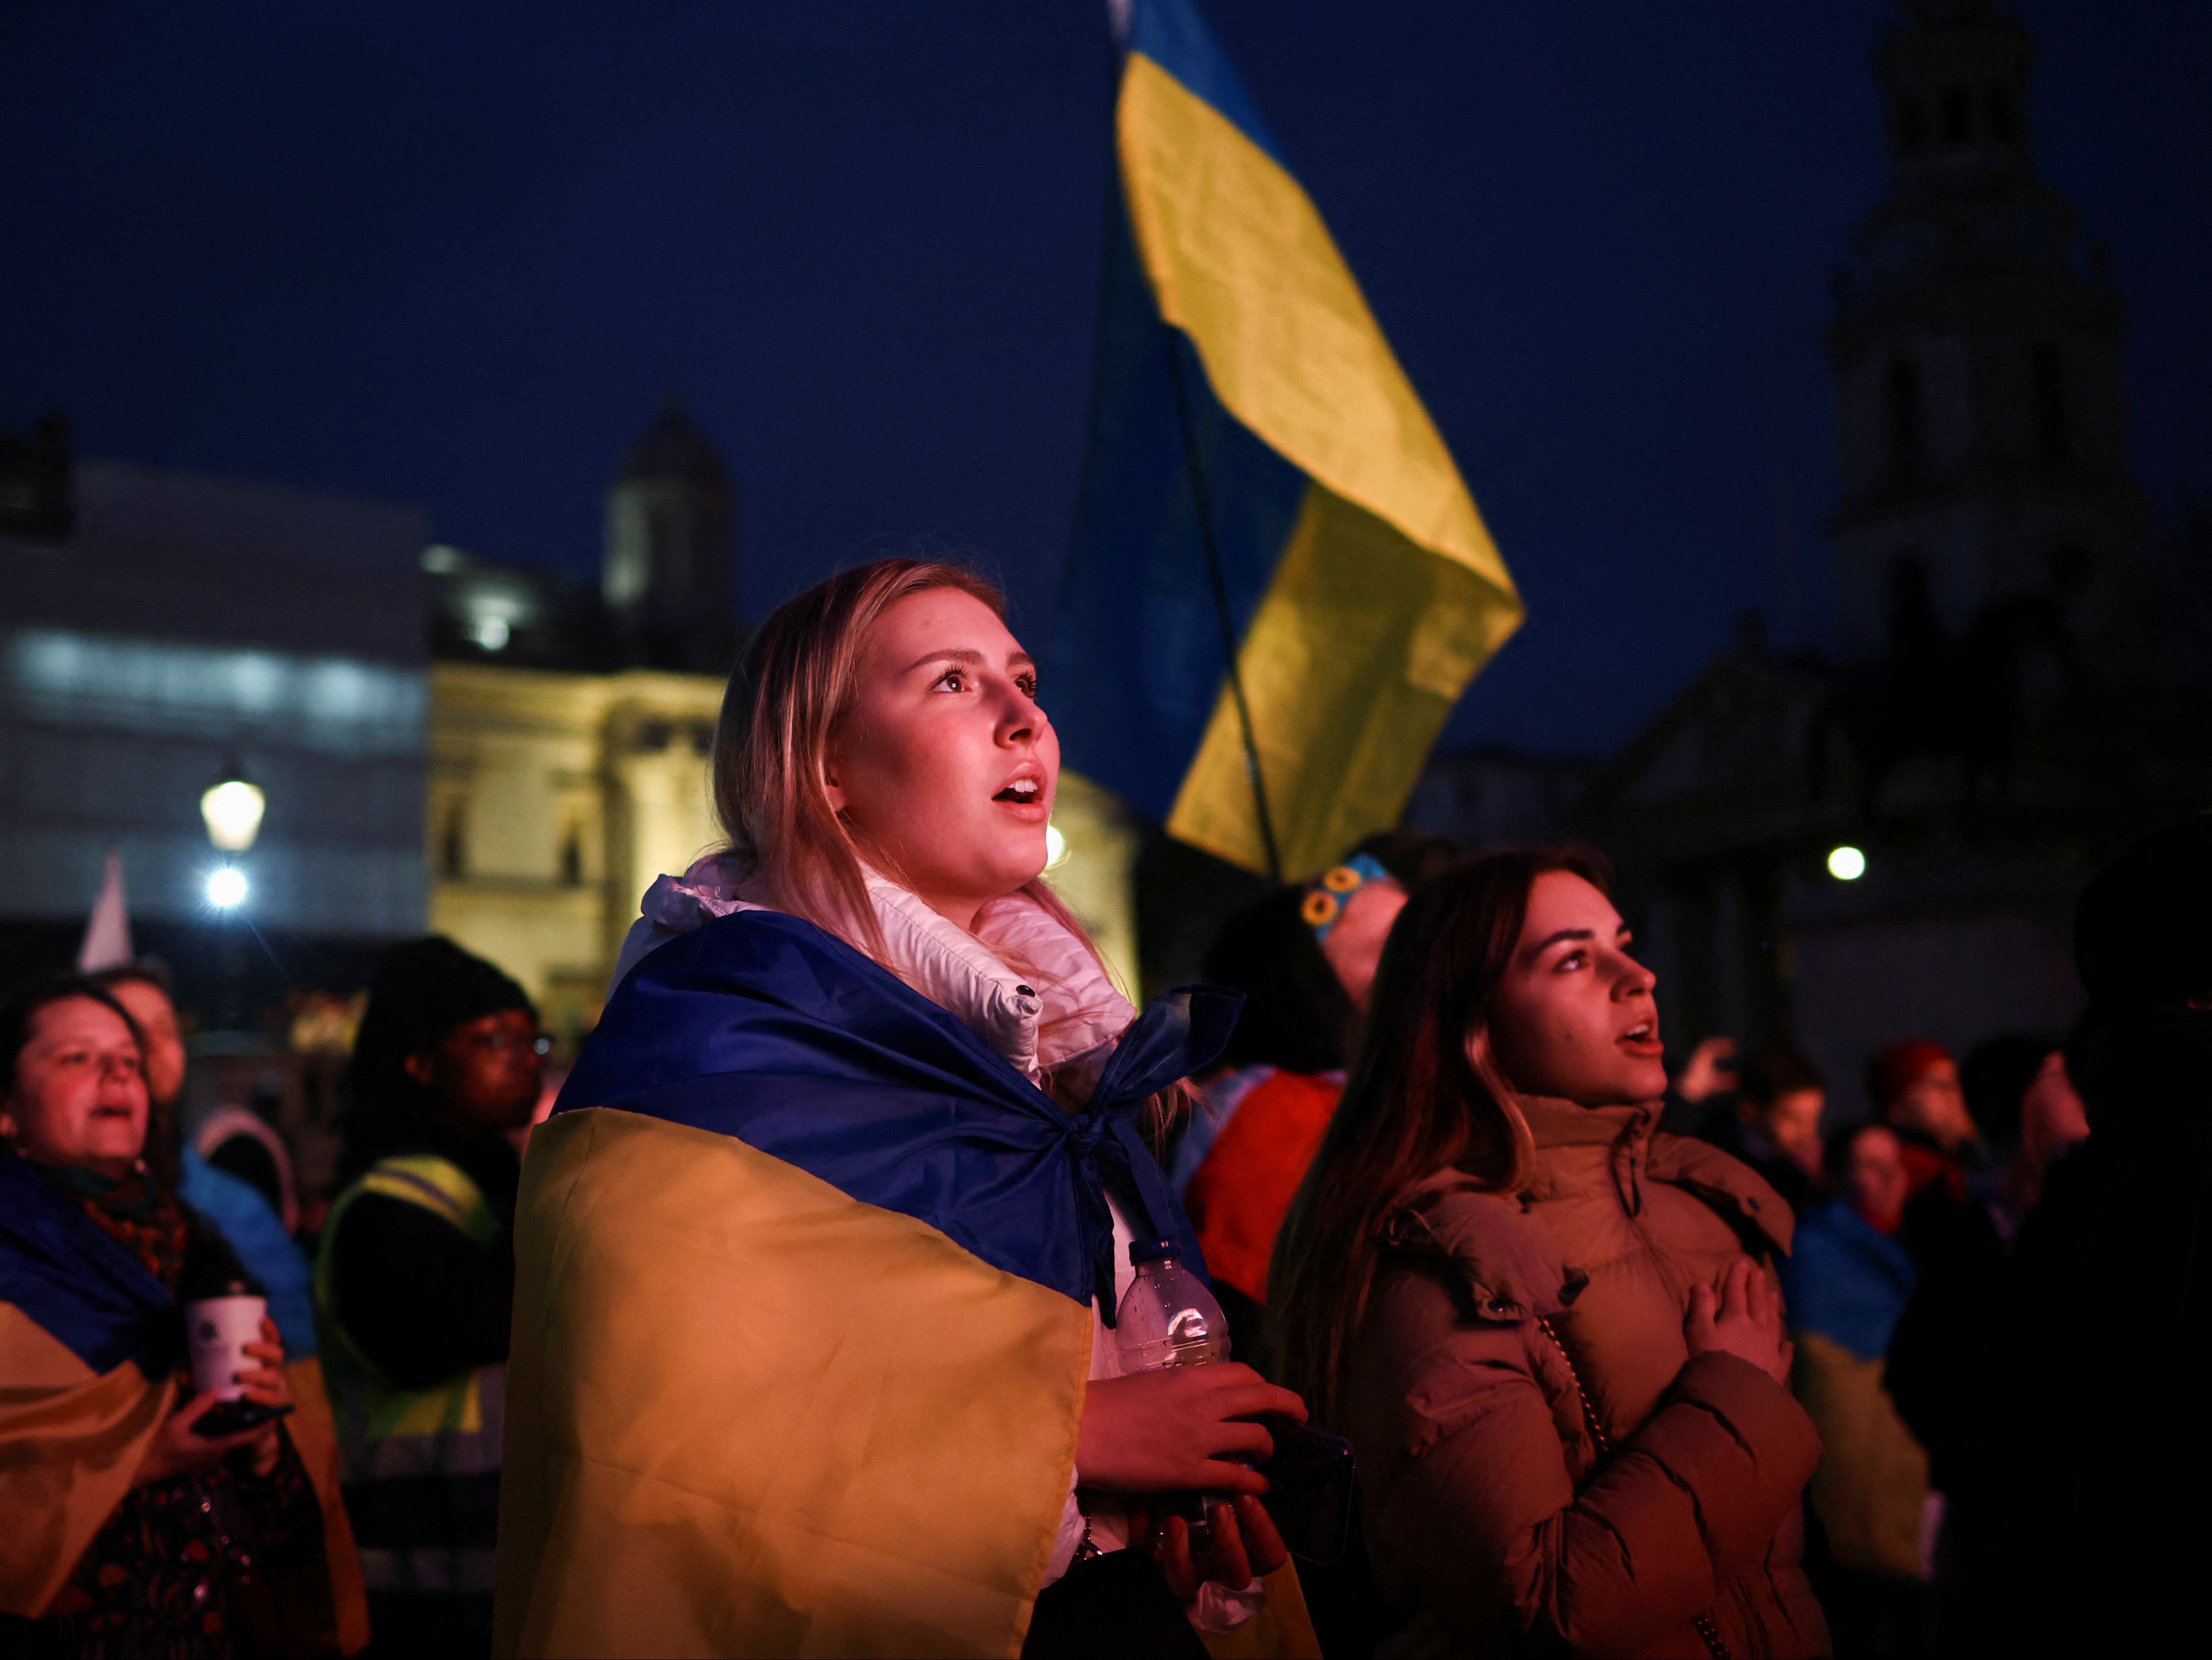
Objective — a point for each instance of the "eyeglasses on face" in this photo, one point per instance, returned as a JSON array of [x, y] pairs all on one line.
[[499, 1041]]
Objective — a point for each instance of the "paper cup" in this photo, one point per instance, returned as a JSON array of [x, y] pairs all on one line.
[[219, 1328]]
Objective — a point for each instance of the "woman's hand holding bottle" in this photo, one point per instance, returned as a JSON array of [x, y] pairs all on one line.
[[1168, 1431]]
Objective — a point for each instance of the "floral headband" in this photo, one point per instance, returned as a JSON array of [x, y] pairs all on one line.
[[1328, 894]]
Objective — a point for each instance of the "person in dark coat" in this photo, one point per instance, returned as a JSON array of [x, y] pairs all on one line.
[[2109, 1453], [1774, 1123], [414, 1285]]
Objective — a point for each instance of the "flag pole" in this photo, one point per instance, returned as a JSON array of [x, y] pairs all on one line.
[[1198, 500]]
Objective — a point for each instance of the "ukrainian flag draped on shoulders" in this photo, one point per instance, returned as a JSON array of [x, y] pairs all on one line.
[[1260, 472], [803, 1310]]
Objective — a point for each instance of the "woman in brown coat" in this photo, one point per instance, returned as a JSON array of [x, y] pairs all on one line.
[[1552, 1332]]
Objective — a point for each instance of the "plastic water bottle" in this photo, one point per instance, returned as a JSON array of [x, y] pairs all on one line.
[[1167, 1317]]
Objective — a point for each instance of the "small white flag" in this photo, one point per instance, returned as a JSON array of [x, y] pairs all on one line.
[[107, 934]]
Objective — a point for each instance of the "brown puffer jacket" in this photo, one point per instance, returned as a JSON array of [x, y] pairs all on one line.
[[1500, 1328]]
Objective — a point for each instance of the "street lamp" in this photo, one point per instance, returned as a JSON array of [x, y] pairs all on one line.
[[233, 809]]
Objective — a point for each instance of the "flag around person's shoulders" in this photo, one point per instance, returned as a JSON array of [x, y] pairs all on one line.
[[805, 1272]]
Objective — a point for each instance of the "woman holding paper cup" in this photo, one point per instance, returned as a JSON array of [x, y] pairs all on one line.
[[155, 1505]]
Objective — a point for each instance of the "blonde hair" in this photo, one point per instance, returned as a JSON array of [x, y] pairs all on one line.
[[788, 699]]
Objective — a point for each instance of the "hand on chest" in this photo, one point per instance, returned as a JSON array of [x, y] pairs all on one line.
[[1623, 1332]]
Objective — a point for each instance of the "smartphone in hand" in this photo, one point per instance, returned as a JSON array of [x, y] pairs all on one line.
[[1310, 1490]]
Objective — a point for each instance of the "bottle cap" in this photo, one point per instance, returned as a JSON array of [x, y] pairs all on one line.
[[1142, 1251]]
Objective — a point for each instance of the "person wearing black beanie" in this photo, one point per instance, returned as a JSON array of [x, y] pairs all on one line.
[[414, 1284]]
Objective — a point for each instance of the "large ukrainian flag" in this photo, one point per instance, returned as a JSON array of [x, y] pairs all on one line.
[[802, 1314], [1244, 389]]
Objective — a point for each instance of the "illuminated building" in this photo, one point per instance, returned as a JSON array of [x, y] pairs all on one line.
[[158, 629]]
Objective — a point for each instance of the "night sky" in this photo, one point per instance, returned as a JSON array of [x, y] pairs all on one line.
[[454, 256]]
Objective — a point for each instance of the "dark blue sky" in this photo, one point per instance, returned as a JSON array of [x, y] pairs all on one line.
[[454, 255]]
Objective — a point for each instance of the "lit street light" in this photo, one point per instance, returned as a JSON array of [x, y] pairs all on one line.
[[1846, 864], [232, 810], [232, 807]]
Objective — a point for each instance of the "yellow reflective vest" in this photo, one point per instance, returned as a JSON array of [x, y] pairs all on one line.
[[422, 1465]]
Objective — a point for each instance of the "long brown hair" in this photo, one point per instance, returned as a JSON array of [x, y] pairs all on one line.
[[791, 692], [1424, 1096]]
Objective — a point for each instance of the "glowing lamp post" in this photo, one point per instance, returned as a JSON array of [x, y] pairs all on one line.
[[232, 810], [232, 807]]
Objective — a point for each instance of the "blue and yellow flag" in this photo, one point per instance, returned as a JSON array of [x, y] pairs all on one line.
[[802, 1320], [91, 1344], [1260, 475]]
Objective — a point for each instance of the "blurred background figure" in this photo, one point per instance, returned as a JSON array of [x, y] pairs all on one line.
[[414, 1285], [127, 1532], [1915, 1089], [1774, 1122], [240, 1141], [1953, 1357], [1848, 1282], [244, 1212], [1994, 1080], [1304, 957], [1706, 1078], [2047, 1121], [1937, 1357], [244, 1215], [2108, 1460]]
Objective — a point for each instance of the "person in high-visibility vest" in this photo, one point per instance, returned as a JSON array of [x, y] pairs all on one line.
[[415, 1285]]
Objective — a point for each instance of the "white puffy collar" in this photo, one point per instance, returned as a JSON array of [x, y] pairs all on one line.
[[1059, 1013]]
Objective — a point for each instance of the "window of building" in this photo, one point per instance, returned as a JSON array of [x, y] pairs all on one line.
[[1958, 115], [1901, 420], [2054, 442], [453, 840]]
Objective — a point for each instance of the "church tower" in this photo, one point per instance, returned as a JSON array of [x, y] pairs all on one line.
[[1977, 357], [670, 572]]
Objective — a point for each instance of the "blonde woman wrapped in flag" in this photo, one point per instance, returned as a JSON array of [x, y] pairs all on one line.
[[816, 1254]]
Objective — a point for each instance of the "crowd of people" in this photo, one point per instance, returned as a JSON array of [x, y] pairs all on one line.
[[802, 1323]]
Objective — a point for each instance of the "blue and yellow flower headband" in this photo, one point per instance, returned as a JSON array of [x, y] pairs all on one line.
[[1328, 894]]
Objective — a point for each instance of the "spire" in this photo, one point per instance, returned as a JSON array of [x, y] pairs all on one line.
[[107, 931], [669, 572], [673, 447]]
